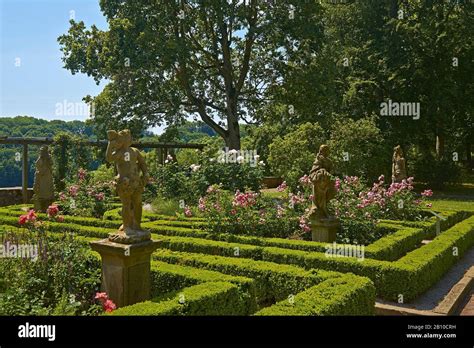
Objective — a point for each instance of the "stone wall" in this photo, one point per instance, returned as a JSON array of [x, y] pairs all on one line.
[[12, 195]]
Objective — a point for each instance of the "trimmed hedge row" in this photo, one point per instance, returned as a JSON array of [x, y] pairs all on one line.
[[167, 278], [390, 247], [91, 231], [212, 298], [110, 223], [391, 278], [346, 295], [174, 230], [115, 214], [410, 276], [273, 281], [430, 262], [406, 239], [85, 221], [211, 247], [98, 232]]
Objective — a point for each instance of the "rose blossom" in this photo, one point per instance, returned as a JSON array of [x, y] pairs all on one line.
[[282, 187], [187, 211], [427, 193]]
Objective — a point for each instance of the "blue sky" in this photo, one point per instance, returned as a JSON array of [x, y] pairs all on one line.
[[29, 30]]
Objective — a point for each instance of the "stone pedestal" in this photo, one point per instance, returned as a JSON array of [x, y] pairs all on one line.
[[324, 230], [125, 270]]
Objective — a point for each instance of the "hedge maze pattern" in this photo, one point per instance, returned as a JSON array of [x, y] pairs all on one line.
[[195, 272]]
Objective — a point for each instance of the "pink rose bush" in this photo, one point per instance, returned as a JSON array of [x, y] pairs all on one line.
[[84, 198], [246, 213], [31, 220], [107, 304], [359, 208]]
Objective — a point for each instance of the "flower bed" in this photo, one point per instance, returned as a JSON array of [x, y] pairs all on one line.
[[359, 208]]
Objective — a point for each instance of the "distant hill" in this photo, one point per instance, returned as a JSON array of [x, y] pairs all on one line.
[[26, 126]]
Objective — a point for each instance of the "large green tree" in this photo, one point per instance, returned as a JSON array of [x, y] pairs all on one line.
[[216, 59], [403, 50]]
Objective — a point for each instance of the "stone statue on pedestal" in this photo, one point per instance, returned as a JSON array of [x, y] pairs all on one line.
[[323, 185], [130, 182], [399, 170], [126, 254], [43, 187], [323, 226]]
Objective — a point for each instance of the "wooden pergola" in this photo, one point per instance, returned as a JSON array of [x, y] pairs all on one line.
[[25, 142]]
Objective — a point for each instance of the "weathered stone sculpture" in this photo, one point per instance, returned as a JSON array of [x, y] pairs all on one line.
[[130, 185], [323, 186], [43, 187], [399, 171], [126, 254], [324, 227]]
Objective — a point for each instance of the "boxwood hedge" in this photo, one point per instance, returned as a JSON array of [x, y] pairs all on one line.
[[346, 295]]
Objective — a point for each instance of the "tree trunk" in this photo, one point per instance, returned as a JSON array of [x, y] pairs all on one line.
[[468, 155], [232, 139], [439, 145]]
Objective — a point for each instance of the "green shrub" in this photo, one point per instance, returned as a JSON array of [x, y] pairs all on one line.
[[291, 157], [426, 168], [212, 298], [166, 278], [363, 142], [60, 278], [346, 295], [182, 182], [273, 281], [115, 214], [430, 262]]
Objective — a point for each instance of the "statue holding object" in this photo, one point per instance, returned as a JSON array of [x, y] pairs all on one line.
[[323, 185], [399, 170], [126, 254], [323, 226], [129, 184]]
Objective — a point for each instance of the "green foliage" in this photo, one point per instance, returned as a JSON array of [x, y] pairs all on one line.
[[273, 281], [24, 126], [292, 156], [170, 71], [187, 183], [358, 149], [62, 280], [102, 174], [212, 298], [346, 295], [187, 157], [69, 155], [434, 172], [246, 213], [85, 196]]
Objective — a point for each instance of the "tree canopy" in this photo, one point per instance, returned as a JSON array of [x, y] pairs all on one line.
[[215, 59]]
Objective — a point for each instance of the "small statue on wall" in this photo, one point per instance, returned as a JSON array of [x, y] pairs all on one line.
[[399, 171], [43, 186], [323, 185], [130, 182]]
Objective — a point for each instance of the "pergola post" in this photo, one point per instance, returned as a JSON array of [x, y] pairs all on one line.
[[25, 174]]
